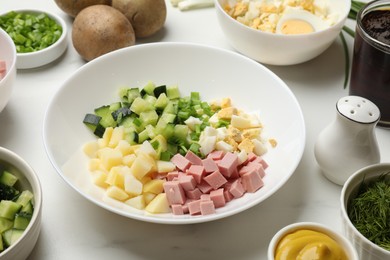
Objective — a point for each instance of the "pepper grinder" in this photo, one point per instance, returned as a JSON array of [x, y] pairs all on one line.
[[349, 142]]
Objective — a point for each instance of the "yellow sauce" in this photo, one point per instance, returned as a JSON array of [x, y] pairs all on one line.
[[308, 245], [296, 26]]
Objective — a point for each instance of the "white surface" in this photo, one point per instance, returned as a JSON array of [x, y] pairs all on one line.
[[213, 83], [365, 248], [279, 49], [74, 228]]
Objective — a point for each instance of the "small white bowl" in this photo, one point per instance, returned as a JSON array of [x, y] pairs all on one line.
[[47, 55], [278, 49], [28, 179], [366, 249], [8, 54], [349, 250]]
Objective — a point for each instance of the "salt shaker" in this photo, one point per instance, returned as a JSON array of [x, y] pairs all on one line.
[[349, 142]]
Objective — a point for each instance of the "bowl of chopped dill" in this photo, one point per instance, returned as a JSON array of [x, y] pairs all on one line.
[[39, 36], [365, 210]]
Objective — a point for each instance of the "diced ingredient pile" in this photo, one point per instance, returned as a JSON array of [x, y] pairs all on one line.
[[3, 69], [161, 152], [283, 16], [30, 31], [16, 209]]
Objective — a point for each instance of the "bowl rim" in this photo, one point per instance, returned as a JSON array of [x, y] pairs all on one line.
[[25, 169], [347, 245], [52, 15], [339, 23], [12, 45], [374, 168]]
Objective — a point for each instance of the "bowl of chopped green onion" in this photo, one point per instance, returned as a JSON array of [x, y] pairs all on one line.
[[7, 68], [39, 36], [20, 206], [365, 210]]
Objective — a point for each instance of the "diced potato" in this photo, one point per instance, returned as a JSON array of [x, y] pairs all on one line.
[[154, 186], [95, 164], [103, 142], [91, 148], [145, 179], [116, 136], [164, 166], [147, 148], [142, 165], [129, 159], [223, 146], [110, 157], [116, 176], [99, 178], [133, 186], [137, 202], [117, 193], [124, 147], [159, 204], [148, 197]]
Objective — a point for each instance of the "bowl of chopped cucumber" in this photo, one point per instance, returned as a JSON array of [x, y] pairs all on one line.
[[174, 133], [40, 37], [20, 206]]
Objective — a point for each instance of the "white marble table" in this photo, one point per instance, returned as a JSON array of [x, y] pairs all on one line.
[[74, 228]]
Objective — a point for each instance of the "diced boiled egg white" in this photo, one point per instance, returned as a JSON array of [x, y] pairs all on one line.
[[297, 21]]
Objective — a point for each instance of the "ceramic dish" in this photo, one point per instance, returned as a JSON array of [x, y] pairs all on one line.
[[347, 246], [280, 49], [366, 249], [47, 55], [7, 54], [27, 179], [215, 73]]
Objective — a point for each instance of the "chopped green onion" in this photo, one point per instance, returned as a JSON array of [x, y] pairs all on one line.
[[30, 31]]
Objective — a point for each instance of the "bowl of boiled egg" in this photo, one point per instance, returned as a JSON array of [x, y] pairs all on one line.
[[281, 32]]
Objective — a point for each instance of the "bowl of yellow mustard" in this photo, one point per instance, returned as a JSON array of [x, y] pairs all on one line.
[[309, 240]]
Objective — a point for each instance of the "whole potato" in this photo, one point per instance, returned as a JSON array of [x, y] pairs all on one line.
[[99, 29], [146, 16], [73, 7]]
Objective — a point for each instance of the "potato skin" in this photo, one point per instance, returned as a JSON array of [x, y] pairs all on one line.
[[100, 29], [73, 7], [146, 16]]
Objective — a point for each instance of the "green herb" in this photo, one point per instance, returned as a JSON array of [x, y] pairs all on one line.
[[355, 8], [30, 31], [369, 211]]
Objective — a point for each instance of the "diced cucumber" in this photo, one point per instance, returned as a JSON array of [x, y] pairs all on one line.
[[173, 92], [11, 236], [24, 198], [131, 137], [106, 117], [92, 120], [132, 94], [120, 114], [140, 105], [9, 208], [7, 192], [5, 224], [8, 178], [148, 89], [161, 101], [115, 106], [149, 117], [22, 220], [29, 208], [151, 99], [143, 136], [181, 132], [171, 108], [166, 130], [99, 130], [158, 91]]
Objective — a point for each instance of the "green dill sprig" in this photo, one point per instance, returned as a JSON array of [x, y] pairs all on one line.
[[369, 211]]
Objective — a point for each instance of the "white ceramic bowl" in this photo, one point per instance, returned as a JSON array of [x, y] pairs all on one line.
[[47, 55], [341, 240], [8, 54], [366, 249], [211, 71], [28, 179], [277, 49]]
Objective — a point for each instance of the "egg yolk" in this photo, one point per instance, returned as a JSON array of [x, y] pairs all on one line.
[[308, 245], [296, 26]]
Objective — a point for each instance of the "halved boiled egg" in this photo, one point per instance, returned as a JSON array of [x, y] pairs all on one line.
[[298, 21]]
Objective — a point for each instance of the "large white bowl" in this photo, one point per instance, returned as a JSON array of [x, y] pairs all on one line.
[[42, 57], [8, 54], [277, 49], [27, 179], [215, 73], [366, 249]]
